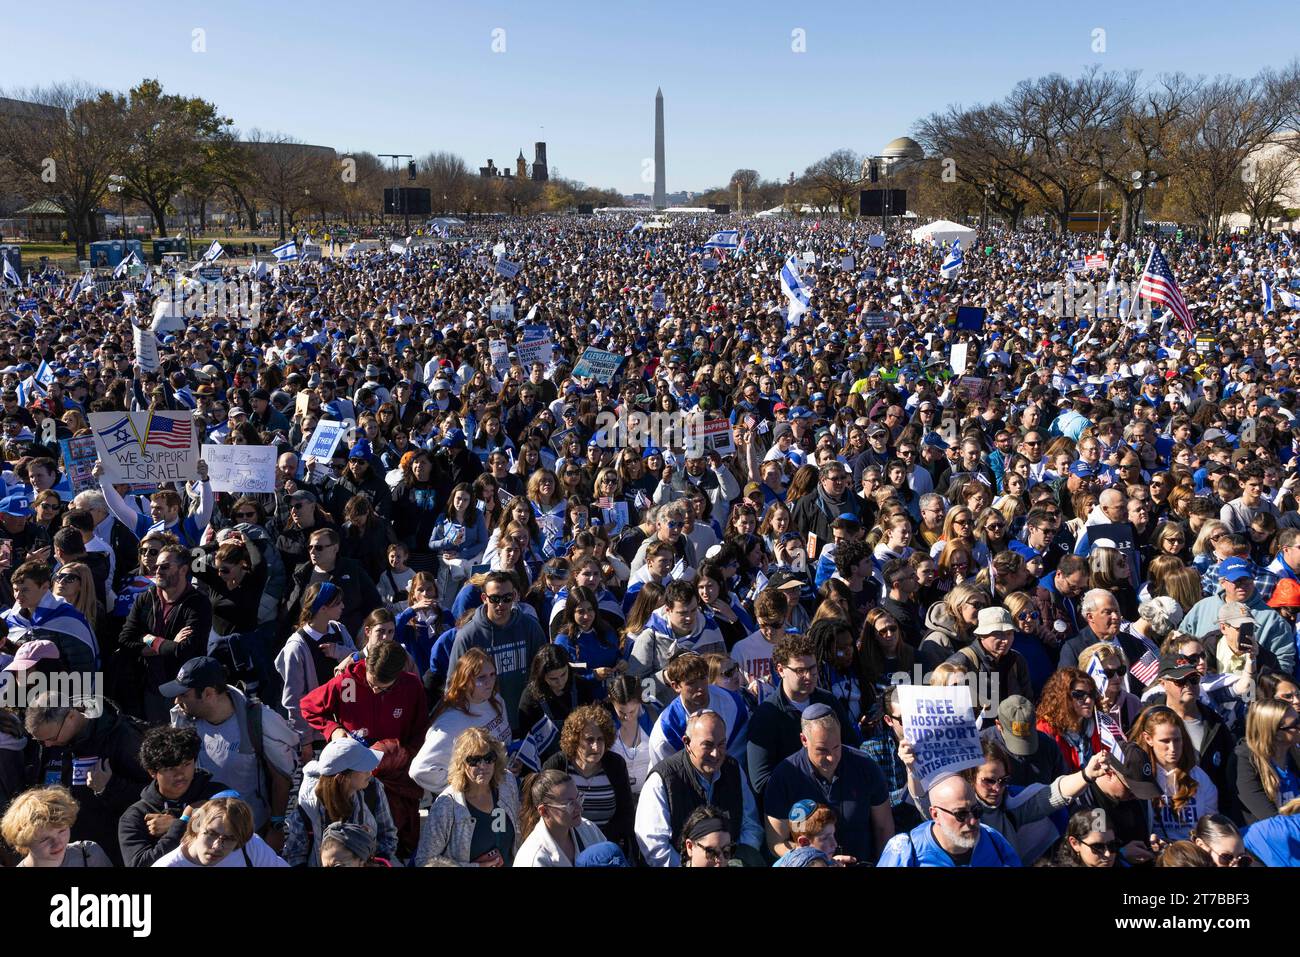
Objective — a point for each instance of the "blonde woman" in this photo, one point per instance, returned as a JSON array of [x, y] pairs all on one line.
[[74, 584], [1212, 545], [474, 822], [1108, 666], [219, 833], [38, 825], [1264, 765], [950, 624]]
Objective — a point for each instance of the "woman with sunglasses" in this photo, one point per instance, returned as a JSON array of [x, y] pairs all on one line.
[[1109, 668], [1029, 641], [1187, 792], [1089, 842], [1171, 539], [1264, 766], [548, 503], [950, 624], [473, 700], [990, 532], [475, 820], [958, 528], [1217, 836], [1067, 712], [553, 828]]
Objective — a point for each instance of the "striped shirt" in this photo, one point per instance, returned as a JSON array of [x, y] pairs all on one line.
[[597, 796]]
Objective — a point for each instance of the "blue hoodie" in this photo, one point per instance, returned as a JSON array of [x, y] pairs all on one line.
[[918, 848]]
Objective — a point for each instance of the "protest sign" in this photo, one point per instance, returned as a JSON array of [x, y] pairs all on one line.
[[876, 240], [146, 349], [658, 300], [971, 318], [560, 438], [500, 356], [870, 272], [971, 388], [506, 268], [957, 357], [847, 264], [324, 440], [535, 346], [79, 457], [597, 364], [503, 312], [877, 320], [243, 469], [210, 273], [939, 724], [1095, 261], [710, 435], [709, 264], [146, 447]]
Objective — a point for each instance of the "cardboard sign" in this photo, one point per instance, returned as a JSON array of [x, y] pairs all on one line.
[[709, 264], [957, 357], [500, 356], [146, 349], [324, 440], [939, 724], [242, 469], [146, 447], [506, 268], [710, 435], [846, 264], [597, 364], [79, 457], [535, 346]]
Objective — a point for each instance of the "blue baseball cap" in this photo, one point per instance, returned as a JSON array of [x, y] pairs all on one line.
[[1082, 469], [1234, 569], [17, 505], [361, 450]]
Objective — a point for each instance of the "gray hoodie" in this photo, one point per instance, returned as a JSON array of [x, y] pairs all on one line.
[[512, 647], [308, 822], [298, 669]]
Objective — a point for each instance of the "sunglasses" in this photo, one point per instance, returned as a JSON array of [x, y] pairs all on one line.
[[1080, 695], [245, 515], [478, 760], [499, 599], [1184, 682], [1028, 616], [67, 578], [962, 815], [674, 526], [731, 672], [1114, 674], [1104, 847]]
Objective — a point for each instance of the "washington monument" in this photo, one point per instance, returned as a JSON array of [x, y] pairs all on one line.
[[661, 194]]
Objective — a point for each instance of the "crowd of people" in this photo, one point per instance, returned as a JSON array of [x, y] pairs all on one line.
[[526, 616]]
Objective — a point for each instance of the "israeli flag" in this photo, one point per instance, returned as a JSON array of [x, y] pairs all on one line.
[[792, 283], [44, 375], [640, 224], [1289, 299], [215, 252], [953, 263], [146, 284], [288, 252], [11, 275], [125, 265], [727, 239], [1266, 293]]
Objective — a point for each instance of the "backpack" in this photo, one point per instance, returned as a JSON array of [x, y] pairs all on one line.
[[369, 797]]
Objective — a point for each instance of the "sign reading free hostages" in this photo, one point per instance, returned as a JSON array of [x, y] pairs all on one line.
[[146, 447], [939, 724]]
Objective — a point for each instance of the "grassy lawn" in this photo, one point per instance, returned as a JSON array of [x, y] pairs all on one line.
[[64, 255]]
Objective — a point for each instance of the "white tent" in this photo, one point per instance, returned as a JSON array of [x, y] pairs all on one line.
[[944, 232]]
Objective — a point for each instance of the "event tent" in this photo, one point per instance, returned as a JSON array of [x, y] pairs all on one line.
[[944, 232]]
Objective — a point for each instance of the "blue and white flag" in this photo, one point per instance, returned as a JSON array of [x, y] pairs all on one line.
[[146, 284], [125, 265], [11, 276], [727, 239], [1289, 299], [288, 252], [214, 252], [1266, 293], [640, 224], [792, 284], [953, 262]]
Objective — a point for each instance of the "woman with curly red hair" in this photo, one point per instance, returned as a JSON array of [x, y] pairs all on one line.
[[1067, 711]]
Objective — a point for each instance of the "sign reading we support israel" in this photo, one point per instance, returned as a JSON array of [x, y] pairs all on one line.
[[146, 447], [939, 724], [506, 268], [597, 364], [243, 469]]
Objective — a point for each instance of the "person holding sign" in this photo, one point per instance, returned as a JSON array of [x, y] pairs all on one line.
[[953, 836], [164, 509]]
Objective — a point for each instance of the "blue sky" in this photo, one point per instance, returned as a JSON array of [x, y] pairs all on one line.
[[411, 78]]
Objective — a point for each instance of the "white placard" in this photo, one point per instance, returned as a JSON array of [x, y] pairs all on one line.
[[243, 469], [939, 723]]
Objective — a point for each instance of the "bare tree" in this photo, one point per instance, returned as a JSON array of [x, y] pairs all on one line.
[[1266, 183], [452, 186], [283, 171], [65, 149], [836, 177]]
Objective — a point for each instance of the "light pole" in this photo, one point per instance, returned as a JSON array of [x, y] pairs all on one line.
[[117, 184], [395, 157]]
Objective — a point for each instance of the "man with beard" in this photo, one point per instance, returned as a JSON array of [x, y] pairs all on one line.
[[954, 836]]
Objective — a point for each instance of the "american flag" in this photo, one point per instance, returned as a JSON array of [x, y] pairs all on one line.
[[1158, 285], [169, 433], [1111, 735], [1145, 668]]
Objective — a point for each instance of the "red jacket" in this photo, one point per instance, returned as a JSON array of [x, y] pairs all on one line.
[[346, 701], [1070, 755]]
